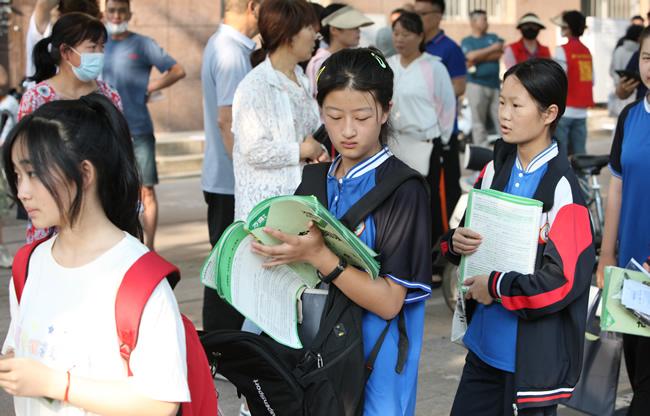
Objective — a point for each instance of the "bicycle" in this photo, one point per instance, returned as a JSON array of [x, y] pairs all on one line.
[[587, 169]]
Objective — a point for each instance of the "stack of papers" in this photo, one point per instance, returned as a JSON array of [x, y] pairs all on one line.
[[269, 296], [626, 301], [636, 296], [510, 227]]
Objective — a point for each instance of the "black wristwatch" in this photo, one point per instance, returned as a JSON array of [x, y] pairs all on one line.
[[335, 273]]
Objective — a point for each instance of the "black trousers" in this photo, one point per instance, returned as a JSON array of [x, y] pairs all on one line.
[[444, 163], [488, 391], [217, 313], [637, 363]]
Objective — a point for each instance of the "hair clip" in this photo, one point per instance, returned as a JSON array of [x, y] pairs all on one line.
[[322, 69], [379, 60]]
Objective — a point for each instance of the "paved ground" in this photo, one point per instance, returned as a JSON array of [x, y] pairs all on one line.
[[183, 239]]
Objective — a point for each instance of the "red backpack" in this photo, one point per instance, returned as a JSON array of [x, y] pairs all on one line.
[[137, 286]]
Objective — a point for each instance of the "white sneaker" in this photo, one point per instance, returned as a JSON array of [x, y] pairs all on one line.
[[243, 411], [6, 259]]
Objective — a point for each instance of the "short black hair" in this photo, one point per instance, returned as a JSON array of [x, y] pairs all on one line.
[[360, 69], [412, 23], [545, 81], [633, 32], [477, 12], [576, 21], [645, 34], [439, 3]]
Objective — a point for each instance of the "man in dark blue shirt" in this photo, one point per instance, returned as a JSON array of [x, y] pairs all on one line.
[[439, 44], [128, 62], [444, 171]]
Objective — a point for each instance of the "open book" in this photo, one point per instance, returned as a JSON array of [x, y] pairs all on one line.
[[269, 296], [510, 227]]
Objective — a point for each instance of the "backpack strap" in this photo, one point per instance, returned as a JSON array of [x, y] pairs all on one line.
[[402, 346], [314, 182], [137, 286], [19, 268], [377, 195], [314, 178]]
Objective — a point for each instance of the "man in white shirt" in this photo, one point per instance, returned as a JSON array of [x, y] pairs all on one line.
[[45, 14], [226, 61]]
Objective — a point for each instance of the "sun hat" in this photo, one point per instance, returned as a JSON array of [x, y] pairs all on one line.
[[530, 18], [347, 18]]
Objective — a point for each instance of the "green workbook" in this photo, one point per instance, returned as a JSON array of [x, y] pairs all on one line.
[[626, 299], [269, 297]]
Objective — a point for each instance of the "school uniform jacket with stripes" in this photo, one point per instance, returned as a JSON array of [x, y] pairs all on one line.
[[552, 302]]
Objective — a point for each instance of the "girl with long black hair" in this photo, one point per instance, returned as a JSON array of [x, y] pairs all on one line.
[[71, 164]]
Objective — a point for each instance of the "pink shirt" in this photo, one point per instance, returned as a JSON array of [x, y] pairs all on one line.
[[314, 66], [43, 93]]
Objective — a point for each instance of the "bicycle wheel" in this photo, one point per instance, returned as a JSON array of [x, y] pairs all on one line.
[[450, 285]]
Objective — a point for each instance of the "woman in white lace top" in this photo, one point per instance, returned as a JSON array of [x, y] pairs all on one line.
[[274, 114]]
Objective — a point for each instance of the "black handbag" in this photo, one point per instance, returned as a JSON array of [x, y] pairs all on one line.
[[595, 392]]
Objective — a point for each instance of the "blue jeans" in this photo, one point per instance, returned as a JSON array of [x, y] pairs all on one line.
[[571, 135]]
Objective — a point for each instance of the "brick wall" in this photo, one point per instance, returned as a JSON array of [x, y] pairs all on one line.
[[181, 27]]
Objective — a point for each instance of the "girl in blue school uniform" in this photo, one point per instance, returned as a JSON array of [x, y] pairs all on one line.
[[526, 331], [355, 88], [626, 234]]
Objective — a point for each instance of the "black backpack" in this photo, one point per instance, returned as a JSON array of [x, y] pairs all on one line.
[[328, 376]]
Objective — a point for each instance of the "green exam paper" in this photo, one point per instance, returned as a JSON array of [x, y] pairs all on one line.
[[616, 317], [269, 296]]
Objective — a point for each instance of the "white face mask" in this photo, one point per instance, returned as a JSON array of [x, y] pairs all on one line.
[[91, 66], [116, 29]]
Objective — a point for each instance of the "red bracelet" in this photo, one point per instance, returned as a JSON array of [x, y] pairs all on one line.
[[67, 388]]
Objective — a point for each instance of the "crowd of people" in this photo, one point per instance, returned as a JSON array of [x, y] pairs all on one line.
[[81, 163]]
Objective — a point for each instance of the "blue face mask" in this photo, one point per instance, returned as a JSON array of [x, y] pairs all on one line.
[[92, 64]]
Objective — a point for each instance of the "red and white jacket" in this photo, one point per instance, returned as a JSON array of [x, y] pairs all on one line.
[[551, 303]]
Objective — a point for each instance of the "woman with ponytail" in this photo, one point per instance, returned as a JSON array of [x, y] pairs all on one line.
[[71, 164], [68, 63]]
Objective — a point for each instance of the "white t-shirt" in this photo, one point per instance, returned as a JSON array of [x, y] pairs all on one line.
[[424, 103], [32, 38], [66, 320]]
